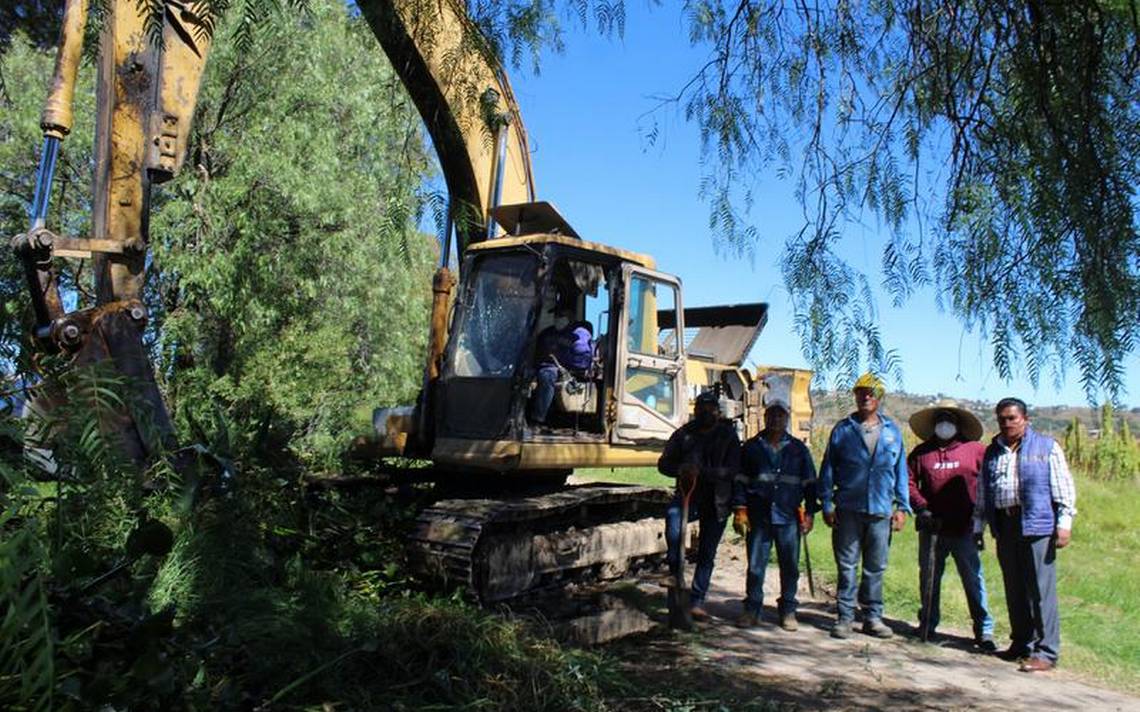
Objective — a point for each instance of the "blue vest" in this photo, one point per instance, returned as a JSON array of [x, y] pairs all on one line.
[[1038, 517]]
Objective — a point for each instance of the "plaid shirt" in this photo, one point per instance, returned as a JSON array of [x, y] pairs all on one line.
[[1007, 487]]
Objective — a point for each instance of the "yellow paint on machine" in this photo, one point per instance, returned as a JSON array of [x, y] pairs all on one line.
[[548, 239], [512, 455]]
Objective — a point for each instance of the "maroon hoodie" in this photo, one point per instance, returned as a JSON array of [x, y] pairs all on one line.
[[945, 481]]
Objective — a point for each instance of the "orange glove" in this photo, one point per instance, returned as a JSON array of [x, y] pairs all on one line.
[[740, 523], [805, 520]]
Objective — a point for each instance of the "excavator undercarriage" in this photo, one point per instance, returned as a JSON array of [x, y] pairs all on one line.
[[504, 548]]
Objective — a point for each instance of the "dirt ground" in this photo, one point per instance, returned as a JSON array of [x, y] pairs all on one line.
[[769, 668]]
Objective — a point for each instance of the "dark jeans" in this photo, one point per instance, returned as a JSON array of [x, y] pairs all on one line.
[[969, 564], [1028, 569], [760, 540], [544, 394], [712, 530], [856, 536]]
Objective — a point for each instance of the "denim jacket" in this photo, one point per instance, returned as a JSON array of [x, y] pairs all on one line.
[[780, 483], [850, 478]]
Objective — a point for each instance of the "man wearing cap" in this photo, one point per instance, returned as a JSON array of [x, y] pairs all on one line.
[[777, 476], [943, 472], [863, 490], [1027, 496], [704, 456]]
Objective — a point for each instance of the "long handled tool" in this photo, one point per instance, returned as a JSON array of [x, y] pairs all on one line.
[[801, 516], [928, 594], [679, 598]]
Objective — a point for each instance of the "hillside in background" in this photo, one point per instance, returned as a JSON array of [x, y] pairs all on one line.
[[830, 406]]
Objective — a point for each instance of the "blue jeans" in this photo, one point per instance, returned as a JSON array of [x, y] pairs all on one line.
[[544, 394], [969, 565], [712, 530], [760, 539], [859, 535]]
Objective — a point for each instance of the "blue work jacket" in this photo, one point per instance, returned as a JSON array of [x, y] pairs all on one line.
[[778, 483], [851, 479]]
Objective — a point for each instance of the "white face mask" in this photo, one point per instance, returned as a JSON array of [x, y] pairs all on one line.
[[945, 430]]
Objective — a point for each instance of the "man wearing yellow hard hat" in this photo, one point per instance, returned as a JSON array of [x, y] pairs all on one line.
[[863, 490]]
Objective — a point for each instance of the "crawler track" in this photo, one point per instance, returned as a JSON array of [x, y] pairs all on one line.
[[505, 548]]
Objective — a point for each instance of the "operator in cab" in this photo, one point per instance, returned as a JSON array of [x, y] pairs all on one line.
[[566, 346], [704, 457]]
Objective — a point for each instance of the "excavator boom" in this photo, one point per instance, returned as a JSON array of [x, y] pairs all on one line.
[[466, 102]]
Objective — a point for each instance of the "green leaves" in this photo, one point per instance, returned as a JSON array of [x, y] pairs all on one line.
[[1034, 236], [292, 285], [27, 667]]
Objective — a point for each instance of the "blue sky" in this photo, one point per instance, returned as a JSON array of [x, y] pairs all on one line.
[[586, 119]]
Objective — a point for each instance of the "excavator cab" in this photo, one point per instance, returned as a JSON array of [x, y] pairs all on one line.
[[523, 302]]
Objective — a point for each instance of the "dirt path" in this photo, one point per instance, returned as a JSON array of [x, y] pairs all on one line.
[[810, 670]]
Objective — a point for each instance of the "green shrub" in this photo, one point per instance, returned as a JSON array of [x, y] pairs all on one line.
[[1113, 455]]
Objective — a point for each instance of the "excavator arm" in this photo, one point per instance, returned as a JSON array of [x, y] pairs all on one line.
[[146, 94], [466, 103]]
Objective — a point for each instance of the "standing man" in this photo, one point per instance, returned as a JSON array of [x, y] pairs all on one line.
[[943, 485], [777, 476], [1027, 496], [863, 489], [704, 456]]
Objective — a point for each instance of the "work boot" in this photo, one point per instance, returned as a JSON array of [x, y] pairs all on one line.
[[698, 613], [876, 628], [748, 620], [1036, 665], [931, 636], [842, 629], [1013, 654], [789, 623], [986, 645]]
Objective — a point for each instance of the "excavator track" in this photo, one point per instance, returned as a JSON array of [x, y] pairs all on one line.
[[504, 549]]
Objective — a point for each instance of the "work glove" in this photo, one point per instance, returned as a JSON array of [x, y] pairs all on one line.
[[740, 523], [687, 476], [980, 541], [925, 521], [805, 520]]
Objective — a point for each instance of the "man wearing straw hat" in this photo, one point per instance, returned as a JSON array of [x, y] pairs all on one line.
[[863, 490], [943, 473]]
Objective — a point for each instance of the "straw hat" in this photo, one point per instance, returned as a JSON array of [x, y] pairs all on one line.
[[922, 422]]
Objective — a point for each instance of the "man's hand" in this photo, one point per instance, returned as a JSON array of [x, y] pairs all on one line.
[[740, 523], [687, 476], [807, 523], [829, 518], [925, 521], [898, 521], [1063, 537]]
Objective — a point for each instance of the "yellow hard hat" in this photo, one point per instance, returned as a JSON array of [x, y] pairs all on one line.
[[870, 380]]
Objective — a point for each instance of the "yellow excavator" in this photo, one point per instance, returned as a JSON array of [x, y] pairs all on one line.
[[521, 265]]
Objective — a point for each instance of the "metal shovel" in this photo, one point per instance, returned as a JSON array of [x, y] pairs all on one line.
[[679, 597], [928, 594]]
